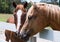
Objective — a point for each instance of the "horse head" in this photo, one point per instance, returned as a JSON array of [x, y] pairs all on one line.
[[19, 14], [35, 21]]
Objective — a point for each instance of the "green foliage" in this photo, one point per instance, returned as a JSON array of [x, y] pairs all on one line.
[[6, 6]]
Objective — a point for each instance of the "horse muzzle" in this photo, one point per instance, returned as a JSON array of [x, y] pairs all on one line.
[[26, 34]]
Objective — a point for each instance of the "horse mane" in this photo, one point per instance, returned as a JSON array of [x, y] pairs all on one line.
[[53, 11]]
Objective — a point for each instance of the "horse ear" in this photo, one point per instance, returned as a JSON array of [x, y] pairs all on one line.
[[14, 4], [34, 4], [25, 4]]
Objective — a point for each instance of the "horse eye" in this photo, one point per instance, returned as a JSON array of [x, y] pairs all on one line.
[[30, 17]]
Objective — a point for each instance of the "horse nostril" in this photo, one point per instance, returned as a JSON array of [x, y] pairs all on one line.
[[23, 34], [24, 37]]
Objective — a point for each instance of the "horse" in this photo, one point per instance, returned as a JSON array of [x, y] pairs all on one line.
[[39, 16], [12, 35]]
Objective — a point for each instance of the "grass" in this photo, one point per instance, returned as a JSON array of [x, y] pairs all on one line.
[[4, 17]]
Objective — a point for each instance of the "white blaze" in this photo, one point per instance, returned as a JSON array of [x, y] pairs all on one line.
[[19, 13]]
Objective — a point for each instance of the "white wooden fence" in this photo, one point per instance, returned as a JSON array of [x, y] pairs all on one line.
[[47, 35]]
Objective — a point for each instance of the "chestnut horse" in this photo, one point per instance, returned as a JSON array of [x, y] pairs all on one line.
[[12, 35], [39, 16]]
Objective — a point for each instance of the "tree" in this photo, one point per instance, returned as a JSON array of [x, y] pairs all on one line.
[[59, 2], [6, 5], [54, 2]]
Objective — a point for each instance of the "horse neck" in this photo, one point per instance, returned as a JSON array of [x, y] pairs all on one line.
[[54, 16]]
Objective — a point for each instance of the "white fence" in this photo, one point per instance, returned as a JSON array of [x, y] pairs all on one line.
[[46, 35]]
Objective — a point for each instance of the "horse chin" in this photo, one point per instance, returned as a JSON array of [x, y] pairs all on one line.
[[25, 38], [27, 34]]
